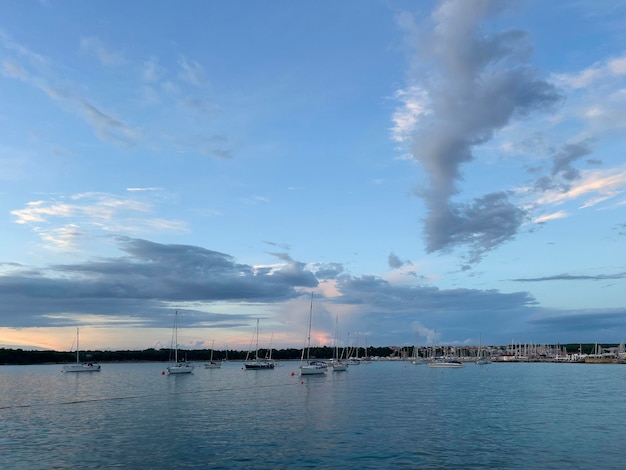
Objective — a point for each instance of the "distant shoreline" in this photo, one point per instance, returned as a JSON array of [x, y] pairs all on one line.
[[584, 353]]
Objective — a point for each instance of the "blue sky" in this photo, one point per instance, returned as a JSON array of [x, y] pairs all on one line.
[[433, 171]]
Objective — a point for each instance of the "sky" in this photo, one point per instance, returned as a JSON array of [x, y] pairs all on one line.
[[433, 172]]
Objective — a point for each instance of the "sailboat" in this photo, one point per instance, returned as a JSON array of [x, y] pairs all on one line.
[[212, 364], [258, 363], [179, 367], [444, 361], [268, 355], [481, 360], [416, 359], [311, 366], [352, 360], [336, 363], [80, 367]]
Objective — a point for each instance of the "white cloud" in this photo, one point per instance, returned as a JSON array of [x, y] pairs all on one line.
[[61, 224], [598, 72], [104, 55], [151, 70], [191, 72], [548, 217], [414, 103], [595, 185]]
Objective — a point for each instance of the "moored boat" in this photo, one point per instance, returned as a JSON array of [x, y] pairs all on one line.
[[178, 367], [310, 366], [446, 363], [257, 363], [212, 364], [80, 366]]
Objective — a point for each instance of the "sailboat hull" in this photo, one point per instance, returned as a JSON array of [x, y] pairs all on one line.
[[259, 365], [446, 365], [339, 366], [81, 368], [312, 370], [180, 369]]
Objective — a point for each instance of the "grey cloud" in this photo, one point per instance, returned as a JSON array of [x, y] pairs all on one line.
[[143, 282], [106, 127], [328, 271], [598, 325], [572, 277], [383, 296], [394, 262], [481, 226], [139, 288], [481, 85], [562, 160]]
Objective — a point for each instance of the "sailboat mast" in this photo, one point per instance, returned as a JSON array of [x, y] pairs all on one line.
[[77, 348], [256, 355], [308, 340], [336, 334], [176, 337]]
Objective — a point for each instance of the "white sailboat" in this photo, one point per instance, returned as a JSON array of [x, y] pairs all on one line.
[[179, 367], [481, 360], [416, 359], [311, 366], [212, 364], [446, 363], [257, 363], [80, 366]]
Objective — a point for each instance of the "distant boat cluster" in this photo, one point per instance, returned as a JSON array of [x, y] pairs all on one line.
[[433, 356], [448, 355]]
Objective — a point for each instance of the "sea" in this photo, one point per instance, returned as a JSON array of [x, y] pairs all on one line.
[[383, 415]]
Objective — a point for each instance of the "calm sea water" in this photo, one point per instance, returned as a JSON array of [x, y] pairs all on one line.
[[382, 415]]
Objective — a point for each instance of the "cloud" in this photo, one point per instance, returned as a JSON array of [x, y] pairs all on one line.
[[104, 125], [570, 153], [596, 324], [572, 277], [547, 217], [479, 83], [481, 225], [61, 224], [142, 285], [104, 55], [394, 262], [20, 51], [191, 71], [594, 185], [615, 67], [405, 118], [12, 70], [140, 288], [152, 72]]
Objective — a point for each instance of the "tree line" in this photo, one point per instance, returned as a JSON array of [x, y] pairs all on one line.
[[25, 357]]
